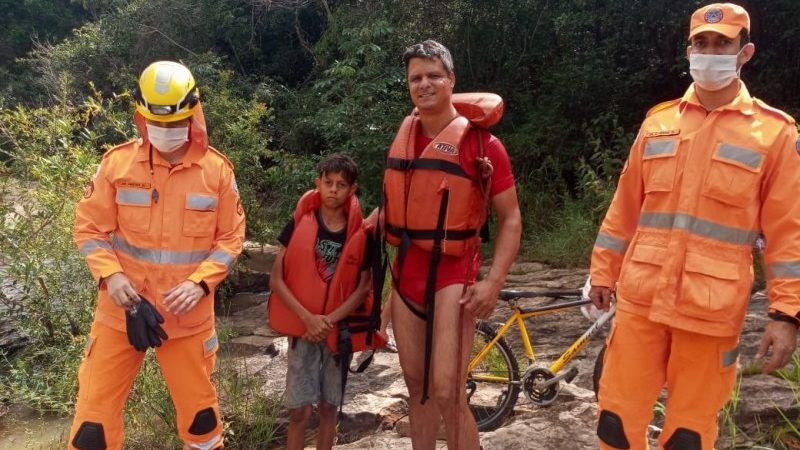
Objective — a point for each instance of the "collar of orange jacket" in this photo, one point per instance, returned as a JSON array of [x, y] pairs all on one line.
[[743, 102]]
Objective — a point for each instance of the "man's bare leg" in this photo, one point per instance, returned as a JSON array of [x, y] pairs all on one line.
[[409, 333], [448, 370]]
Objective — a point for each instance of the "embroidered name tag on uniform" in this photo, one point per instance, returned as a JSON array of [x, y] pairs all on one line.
[[662, 133], [134, 184]]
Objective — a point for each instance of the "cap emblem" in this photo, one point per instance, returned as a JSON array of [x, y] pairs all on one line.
[[713, 15]]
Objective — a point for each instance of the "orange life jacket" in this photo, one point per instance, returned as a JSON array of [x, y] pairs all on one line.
[[317, 296], [431, 198]]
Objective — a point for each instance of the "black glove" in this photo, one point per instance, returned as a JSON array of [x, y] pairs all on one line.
[[143, 325]]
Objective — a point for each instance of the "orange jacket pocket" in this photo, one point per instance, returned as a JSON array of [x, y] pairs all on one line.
[[734, 175], [713, 289], [200, 215], [133, 209], [659, 163], [640, 274]]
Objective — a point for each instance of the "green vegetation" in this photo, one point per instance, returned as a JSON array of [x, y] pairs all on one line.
[[285, 82]]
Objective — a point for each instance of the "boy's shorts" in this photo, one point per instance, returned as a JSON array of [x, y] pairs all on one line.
[[312, 375]]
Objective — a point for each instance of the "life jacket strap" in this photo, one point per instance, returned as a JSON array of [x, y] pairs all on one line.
[[430, 291], [427, 164]]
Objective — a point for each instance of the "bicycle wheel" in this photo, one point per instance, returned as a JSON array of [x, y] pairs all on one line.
[[598, 372], [493, 385]]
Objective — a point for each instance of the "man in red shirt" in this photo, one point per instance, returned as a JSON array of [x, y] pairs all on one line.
[[453, 299]]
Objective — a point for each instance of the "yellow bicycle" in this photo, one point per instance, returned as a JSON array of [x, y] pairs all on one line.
[[493, 377]]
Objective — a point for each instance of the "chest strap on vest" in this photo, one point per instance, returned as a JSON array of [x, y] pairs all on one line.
[[426, 164]]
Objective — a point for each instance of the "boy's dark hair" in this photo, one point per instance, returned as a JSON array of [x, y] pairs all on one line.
[[429, 49], [339, 163]]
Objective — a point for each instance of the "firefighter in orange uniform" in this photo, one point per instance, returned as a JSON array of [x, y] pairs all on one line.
[[160, 225], [705, 175]]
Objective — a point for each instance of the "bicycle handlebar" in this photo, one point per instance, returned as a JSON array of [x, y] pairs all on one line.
[[510, 294]]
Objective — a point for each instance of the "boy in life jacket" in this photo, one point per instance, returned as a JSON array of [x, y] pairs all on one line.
[[319, 278]]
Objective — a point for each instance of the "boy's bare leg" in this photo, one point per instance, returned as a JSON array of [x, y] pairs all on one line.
[[446, 391], [327, 426], [296, 434]]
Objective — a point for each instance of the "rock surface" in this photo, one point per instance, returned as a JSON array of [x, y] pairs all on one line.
[[375, 403]]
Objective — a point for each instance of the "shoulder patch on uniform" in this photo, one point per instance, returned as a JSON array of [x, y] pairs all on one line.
[[662, 106], [774, 111]]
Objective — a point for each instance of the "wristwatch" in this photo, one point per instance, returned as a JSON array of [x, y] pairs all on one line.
[[783, 317]]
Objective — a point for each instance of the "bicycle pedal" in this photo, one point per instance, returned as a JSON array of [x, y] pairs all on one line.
[[571, 374], [653, 432]]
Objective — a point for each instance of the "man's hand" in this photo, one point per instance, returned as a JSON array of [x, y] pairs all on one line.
[[121, 290], [183, 297], [782, 338], [481, 298], [600, 297], [317, 327]]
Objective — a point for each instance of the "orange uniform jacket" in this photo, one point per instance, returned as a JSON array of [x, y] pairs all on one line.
[[695, 192], [161, 227]]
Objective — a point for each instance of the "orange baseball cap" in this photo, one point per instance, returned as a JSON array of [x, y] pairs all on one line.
[[726, 19]]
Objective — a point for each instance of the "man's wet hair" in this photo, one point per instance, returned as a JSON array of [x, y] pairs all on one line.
[[429, 49], [339, 163]]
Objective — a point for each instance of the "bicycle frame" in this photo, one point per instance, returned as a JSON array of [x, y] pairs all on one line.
[[520, 314]]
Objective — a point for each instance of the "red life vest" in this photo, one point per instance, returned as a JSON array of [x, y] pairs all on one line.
[[317, 296], [432, 196]]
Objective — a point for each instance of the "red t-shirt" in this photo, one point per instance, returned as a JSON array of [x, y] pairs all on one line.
[[453, 269]]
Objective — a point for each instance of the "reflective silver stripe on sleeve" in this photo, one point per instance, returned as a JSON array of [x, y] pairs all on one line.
[[749, 158], [655, 148], [210, 343], [611, 243], [785, 269], [133, 197], [157, 256], [700, 227], [202, 202], [729, 357], [222, 257], [93, 244], [207, 445]]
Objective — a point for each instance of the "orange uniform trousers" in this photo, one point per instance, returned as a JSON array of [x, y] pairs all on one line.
[[699, 371], [110, 366]]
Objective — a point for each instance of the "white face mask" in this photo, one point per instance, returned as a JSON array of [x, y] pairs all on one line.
[[713, 72], [167, 140]]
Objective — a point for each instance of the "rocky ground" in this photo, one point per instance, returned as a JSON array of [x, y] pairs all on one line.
[[375, 405], [375, 410]]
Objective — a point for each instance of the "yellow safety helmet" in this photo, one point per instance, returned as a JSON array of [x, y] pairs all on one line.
[[166, 92]]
